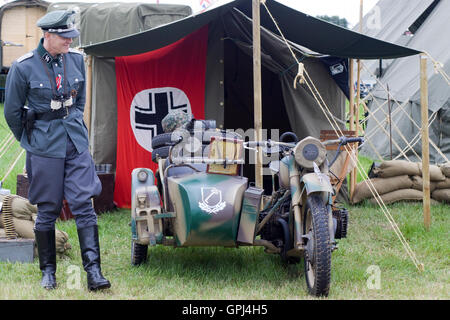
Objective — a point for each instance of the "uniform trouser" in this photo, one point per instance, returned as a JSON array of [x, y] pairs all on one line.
[[53, 179]]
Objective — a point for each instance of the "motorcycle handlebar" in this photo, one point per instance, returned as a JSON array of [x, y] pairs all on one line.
[[342, 141], [352, 140], [254, 144]]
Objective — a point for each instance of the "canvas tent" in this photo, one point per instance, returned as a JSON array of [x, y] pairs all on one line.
[[230, 38], [228, 87], [426, 24]]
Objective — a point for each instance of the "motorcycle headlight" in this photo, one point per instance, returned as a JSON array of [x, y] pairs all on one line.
[[142, 175], [308, 151]]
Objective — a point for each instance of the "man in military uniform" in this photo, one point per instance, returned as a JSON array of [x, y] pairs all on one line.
[[51, 80]]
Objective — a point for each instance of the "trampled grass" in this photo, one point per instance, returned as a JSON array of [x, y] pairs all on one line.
[[248, 272]]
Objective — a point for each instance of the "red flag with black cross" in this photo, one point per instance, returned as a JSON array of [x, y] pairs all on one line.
[[149, 86]]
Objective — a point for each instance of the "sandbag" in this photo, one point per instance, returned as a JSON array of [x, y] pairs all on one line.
[[394, 168], [445, 168], [21, 207], [400, 195], [435, 173], [441, 195], [24, 217], [62, 241], [417, 183], [382, 185], [443, 184], [24, 229]]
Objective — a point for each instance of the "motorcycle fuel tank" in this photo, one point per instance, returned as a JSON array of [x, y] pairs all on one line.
[[207, 208]]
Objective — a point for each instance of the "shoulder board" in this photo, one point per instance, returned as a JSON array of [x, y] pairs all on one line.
[[72, 50], [25, 56]]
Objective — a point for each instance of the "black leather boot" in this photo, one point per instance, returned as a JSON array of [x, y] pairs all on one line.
[[90, 254], [45, 241]]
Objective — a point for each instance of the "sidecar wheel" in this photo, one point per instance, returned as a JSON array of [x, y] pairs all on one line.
[[138, 253], [317, 259]]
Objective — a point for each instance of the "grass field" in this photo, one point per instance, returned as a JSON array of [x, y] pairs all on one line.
[[371, 252], [248, 272], [10, 150]]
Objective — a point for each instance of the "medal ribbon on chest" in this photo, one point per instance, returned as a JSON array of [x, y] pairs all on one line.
[[58, 82]]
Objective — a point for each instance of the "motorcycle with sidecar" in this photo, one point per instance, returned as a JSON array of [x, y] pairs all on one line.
[[201, 198]]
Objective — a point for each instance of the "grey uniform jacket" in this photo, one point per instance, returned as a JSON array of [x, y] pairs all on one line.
[[29, 84]]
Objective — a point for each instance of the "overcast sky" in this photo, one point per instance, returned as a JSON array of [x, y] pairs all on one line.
[[348, 9]]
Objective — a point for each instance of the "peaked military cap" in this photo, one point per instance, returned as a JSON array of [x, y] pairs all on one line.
[[61, 22]]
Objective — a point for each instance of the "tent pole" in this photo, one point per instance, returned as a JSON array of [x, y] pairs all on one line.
[[356, 118], [390, 120], [88, 82], [358, 93], [257, 97], [425, 141], [352, 95], [351, 120]]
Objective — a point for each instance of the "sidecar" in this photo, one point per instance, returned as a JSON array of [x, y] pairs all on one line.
[[194, 204]]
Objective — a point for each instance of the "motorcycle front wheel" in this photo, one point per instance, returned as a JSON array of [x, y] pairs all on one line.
[[317, 258]]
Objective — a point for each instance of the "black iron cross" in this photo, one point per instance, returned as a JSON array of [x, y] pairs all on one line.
[[150, 118]]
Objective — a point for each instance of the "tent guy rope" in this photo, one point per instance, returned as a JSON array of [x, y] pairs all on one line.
[[12, 166], [299, 77], [306, 79], [401, 108], [369, 183], [438, 68], [8, 144]]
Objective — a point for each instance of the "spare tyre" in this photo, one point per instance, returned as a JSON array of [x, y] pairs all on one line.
[[161, 152], [162, 140]]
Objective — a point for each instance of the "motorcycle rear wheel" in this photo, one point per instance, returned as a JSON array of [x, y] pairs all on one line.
[[317, 258]]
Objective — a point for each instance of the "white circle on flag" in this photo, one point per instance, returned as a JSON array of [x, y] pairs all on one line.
[[149, 107]]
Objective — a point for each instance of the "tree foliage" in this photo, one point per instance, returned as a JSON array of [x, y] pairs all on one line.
[[336, 20]]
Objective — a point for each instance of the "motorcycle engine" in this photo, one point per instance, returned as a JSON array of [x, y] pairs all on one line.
[[272, 230]]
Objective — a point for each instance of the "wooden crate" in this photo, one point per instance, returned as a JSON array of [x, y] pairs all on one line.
[[104, 202], [331, 135], [17, 250]]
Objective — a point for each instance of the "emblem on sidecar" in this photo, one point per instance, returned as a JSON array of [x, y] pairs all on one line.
[[211, 200]]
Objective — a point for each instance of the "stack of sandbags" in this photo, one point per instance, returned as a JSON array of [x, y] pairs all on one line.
[[399, 180], [441, 191], [24, 216]]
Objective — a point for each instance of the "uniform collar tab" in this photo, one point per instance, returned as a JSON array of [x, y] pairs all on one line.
[[45, 55]]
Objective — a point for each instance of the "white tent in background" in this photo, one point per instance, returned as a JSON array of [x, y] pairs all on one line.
[[423, 25]]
